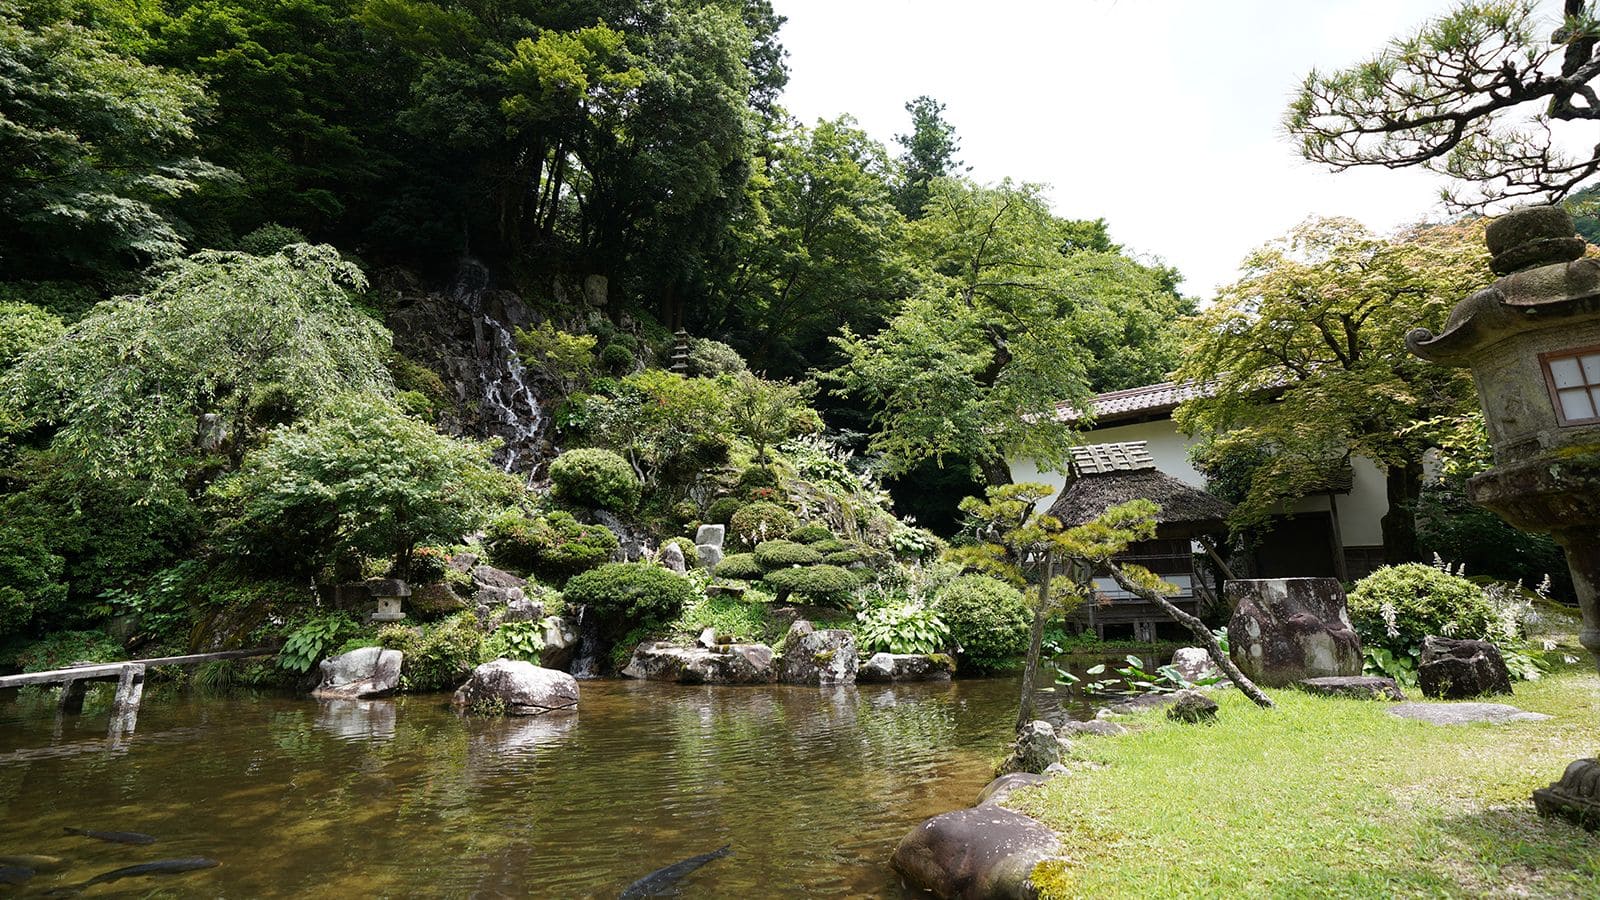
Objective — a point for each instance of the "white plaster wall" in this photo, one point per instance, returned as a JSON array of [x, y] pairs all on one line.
[[1360, 511]]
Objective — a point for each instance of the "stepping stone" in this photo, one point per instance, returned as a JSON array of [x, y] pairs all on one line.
[[1362, 687], [1464, 713]]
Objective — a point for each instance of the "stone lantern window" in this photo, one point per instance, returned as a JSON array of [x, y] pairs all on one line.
[[1574, 381]]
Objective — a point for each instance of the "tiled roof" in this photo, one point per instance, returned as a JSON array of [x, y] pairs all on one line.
[[1150, 401]]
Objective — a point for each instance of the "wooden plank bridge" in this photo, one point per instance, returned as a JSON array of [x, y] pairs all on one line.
[[129, 677]]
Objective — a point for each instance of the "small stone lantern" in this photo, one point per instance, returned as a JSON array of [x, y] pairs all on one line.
[[390, 593], [1532, 341]]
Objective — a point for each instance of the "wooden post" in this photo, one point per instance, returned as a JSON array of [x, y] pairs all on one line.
[[1340, 567], [72, 691], [125, 708], [1211, 551], [1030, 669]]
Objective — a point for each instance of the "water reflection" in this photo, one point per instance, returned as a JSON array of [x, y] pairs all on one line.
[[357, 720], [812, 787]]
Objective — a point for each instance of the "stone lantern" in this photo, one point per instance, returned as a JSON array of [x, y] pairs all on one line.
[[1532, 341], [390, 594]]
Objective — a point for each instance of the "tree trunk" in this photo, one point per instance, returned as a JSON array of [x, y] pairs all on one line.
[[1030, 668], [1201, 634], [996, 471], [1404, 487]]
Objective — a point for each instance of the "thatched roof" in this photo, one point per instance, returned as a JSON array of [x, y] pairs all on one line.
[[1185, 511]]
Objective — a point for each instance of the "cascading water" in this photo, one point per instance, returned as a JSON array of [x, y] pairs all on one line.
[[586, 662], [507, 404]]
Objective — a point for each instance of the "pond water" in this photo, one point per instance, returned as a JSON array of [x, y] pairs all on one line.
[[812, 788]]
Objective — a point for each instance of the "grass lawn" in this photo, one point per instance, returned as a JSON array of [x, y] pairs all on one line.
[[1325, 798]]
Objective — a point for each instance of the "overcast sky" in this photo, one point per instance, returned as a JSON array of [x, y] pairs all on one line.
[[1162, 116]]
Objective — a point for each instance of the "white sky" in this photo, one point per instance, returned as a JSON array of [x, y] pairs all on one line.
[[1162, 116]]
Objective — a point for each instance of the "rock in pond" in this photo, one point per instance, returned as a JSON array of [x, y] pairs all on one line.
[[1286, 629], [726, 664], [363, 672], [983, 853], [1099, 727], [1037, 748], [1458, 670], [1361, 687], [517, 688], [881, 667], [817, 657], [1192, 707], [996, 791]]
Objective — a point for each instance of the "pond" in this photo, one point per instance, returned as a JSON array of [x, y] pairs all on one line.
[[811, 788]]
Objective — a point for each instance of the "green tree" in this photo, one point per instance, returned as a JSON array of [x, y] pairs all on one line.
[[927, 153], [1306, 360], [96, 147], [1477, 94], [815, 247], [769, 412], [186, 377], [999, 333], [359, 478]]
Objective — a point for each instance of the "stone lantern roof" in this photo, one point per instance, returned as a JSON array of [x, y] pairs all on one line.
[[1545, 278]]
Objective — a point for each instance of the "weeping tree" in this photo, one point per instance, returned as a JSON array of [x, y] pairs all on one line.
[[1014, 535]]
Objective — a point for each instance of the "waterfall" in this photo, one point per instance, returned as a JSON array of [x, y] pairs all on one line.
[[507, 405], [586, 662]]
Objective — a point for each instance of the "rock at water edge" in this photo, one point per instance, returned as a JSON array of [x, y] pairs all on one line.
[[517, 688], [983, 853], [363, 672]]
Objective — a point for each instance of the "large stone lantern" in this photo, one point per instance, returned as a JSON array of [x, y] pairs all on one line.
[[1532, 341]]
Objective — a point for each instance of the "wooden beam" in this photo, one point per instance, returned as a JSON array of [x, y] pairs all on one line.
[[113, 671]]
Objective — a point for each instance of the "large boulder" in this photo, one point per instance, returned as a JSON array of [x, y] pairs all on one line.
[[881, 667], [516, 688], [983, 853], [1458, 670], [364, 672], [436, 599], [1287, 629], [1037, 748], [817, 657], [723, 664]]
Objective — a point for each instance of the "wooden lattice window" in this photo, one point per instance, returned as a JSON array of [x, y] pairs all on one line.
[[1574, 380]]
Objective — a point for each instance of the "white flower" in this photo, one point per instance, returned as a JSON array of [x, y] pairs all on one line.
[[1389, 626]]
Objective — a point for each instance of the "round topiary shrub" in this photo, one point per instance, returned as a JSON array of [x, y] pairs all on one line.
[[554, 546], [818, 584], [849, 556], [811, 533], [616, 358], [721, 511], [738, 565], [708, 359], [1397, 606], [783, 554], [988, 620], [595, 478], [831, 545], [755, 478], [758, 522], [627, 595]]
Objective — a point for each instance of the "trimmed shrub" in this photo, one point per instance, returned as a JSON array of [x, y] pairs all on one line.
[[708, 359], [821, 584], [849, 556], [722, 510], [1397, 606], [437, 658], [756, 478], [738, 565], [554, 546], [814, 533], [783, 554], [758, 522], [616, 358], [988, 620], [596, 478], [630, 594]]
